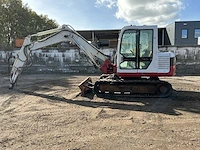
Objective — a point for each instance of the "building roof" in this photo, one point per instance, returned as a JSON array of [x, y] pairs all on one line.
[[100, 34]]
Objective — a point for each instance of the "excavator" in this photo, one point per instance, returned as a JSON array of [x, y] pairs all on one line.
[[135, 69]]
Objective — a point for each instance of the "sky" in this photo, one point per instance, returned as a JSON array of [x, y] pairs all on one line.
[[114, 14]]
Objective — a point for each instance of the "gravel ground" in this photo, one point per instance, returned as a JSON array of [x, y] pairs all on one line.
[[45, 111]]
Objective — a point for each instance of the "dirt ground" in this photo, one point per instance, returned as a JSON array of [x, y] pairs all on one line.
[[45, 112]]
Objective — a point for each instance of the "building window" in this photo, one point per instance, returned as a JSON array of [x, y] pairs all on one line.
[[184, 34], [196, 33]]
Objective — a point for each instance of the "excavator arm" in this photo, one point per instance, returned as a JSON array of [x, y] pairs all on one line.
[[61, 34]]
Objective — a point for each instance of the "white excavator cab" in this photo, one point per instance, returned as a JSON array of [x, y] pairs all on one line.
[[138, 53]]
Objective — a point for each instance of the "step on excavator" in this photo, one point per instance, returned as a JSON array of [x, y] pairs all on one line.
[[135, 69]]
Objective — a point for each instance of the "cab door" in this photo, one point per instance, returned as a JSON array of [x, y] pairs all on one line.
[[145, 49]]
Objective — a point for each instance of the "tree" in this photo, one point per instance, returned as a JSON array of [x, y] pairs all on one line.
[[17, 21]]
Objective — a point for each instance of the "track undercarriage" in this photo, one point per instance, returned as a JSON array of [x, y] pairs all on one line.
[[111, 85]]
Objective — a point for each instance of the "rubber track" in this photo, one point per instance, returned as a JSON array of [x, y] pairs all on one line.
[[149, 88]]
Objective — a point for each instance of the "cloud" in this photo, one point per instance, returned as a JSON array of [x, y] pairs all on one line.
[[107, 3], [148, 12], [145, 12]]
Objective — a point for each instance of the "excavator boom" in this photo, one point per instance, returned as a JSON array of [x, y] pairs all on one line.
[[62, 34]]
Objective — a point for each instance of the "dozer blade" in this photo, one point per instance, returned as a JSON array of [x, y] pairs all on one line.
[[86, 86]]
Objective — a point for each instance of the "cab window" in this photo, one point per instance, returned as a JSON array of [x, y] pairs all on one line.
[[128, 44]]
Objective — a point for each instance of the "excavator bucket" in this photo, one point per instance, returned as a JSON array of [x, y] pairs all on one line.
[[86, 86]]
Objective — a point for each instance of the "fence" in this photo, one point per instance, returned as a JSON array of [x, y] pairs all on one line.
[[75, 61]]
